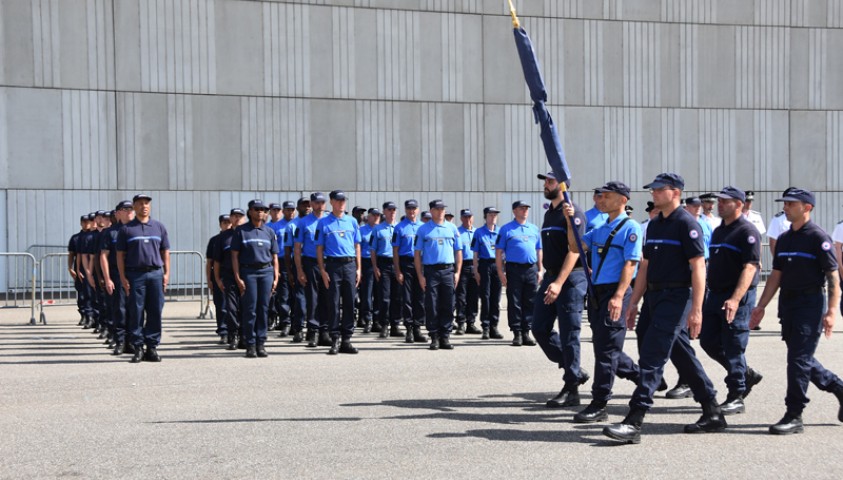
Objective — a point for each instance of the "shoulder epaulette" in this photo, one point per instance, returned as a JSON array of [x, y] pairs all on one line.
[[779, 214]]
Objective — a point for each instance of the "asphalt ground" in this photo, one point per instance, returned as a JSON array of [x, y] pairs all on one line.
[[71, 410]]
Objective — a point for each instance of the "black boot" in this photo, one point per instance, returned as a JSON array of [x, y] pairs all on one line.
[[593, 413], [733, 405], [395, 331], [838, 392], [679, 391], [138, 356], [152, 355], [241, 344], [383, 332], [460, 329], [118, 349], [494, 333], [417, 335], [335, 347], [629, 430], [223, 340], [408, 336], [297, 337], [89, 322], [434, 342], [527, 340], [285, 330], [569, 396], [261, 351], [232, 342], [367, 326], [485, 334], [81, 320], [324, 339], [787, 425], [471, 329], [751, 379], [445, 343], [376, 327], [251, 351], [311, 339], [516, 339], [711, 421], [347, 347]]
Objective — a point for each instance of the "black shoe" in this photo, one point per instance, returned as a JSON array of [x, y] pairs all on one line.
[[662, 386], [485, 334], [494, 333], [711, 421], [102, 334], [395, 331], [138, 356], [516, 339], [89, 322], [838, 392], [757, 327], [472, 330], [261, 351], [593, 413], [377, 328], [232, 342], [118, 349], [223, 340], [297, 338], [324, 339], [434, 342], [679, 391], [733, 405], [752, 378], [384, 333], [408, 337], [347, 347], [241, 344], [568, 397], [335, 347], [527, 340], [81, 321], [129, 348], [787, 425], [445, 343], [360, 323], [460, 329], [417, 335], [251, 352], [151, 355], [629, 430], [311, 339], [367, 327], [284, 331]]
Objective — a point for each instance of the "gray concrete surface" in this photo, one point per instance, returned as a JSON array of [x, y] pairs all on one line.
[[69, 409]]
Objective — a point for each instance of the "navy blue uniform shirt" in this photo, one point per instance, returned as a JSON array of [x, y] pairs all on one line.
[[108, 242], [555, 236], [255, 244], [338, 235], [73, 243], [520, 242], [222, 249], [437, 242], [671, 242], [143, 243], [89, 242], [625, 246], [483, 243], [803, 256], [732, 247]]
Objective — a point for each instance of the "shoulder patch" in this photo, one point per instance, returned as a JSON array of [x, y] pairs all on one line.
[[577, 221], [633, 237], [826, 246], [694, 234], [779, 214], [751, 239]]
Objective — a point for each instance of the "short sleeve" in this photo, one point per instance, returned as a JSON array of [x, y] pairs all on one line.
[[165, 238], [693, 240], [237, 240], [632, 242]]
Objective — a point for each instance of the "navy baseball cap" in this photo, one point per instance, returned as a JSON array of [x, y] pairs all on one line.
[[615, 187], [224, 218], [358, 208], [337, 195], [258, 204], [466, 213], [91, 216], [411, 203], [303, 200], [317, 197], [124, 204], [237, 211], [141, 196], [693, 201], [520, 203], [389, 205], [798, 195], [550, 175], [289, 204], [83, 218], [437, 204], [732, 193], [426, 215], [489, 210], [374, 211], [275, 206], [101, 213], [673, 180], [708, 197]]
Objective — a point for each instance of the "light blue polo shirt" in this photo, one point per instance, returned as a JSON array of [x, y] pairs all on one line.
[[381, 242], [466, 239], [306, 235], [338, 235], [625, 246], [520, 243], [483, 243], [404, 236], [437, 242]]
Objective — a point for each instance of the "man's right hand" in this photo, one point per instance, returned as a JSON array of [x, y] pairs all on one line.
[[302, 279]]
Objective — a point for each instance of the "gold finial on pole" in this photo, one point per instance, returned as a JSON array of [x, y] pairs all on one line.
[[515, 22]]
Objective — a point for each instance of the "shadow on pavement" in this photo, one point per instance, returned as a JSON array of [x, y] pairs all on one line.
[[260, 420]]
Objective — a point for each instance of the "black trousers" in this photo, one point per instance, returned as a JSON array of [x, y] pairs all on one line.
[[391, 294], [467, 294], [413, 308]]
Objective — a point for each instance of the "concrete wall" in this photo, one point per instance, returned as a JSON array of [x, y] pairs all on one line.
[[207, 103]]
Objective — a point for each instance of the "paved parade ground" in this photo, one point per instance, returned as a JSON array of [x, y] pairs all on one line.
[[71, 410]]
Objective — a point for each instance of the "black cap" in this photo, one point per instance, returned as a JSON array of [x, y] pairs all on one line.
[[436, 204], [374, 211], [693, 201], [731, 193], [224, 218], [101, 213], [303, 200], [673, 180], [798, 195], [109, 213], [489, 210], [519, 203], [289, 204], [237, 211], [466, 213], [411, 203], [91, 216], [650, 207], [628, 209], [317, 197], [388, 205], [141, 196], [550, 175], [337, 195], [358, 208], [750, 195], [258, 204], [275, 206], [123, 204], [83, 218], [425, 215], [615, 187], [708, 197]]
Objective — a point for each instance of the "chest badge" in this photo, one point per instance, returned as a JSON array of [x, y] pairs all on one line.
[[342, 234]]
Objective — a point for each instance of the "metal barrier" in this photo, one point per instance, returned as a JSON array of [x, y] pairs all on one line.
[[18, 281], [56, 286], [187, 279], [39, 250]]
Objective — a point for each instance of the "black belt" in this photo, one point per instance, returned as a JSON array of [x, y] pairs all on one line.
[[486, 260], [527, 265], [404, 258], [605, 287], [440, 266], [798, 292], [256, 266], [143, 269], [467, 263], [340, 260], [382, 258], [655, 287]]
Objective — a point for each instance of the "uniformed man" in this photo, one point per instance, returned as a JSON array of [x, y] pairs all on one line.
[[403, 238], [426, 216], [87, 250], [309, 275], [837, 237], [254, 259], [108, 260], [518, 256], [338, 256], [486, 273], [388, 315], [283, 300], [467, 286], [594, 217], [449, 217], [778, 225], [73, 268], [273, 221], [753, 216], [438, 261], [560, 295], [732, 277], [674, 269], [368, 291], [225, 280], [709, 200], [216, 292], [298, 301], [358, 213], [104, 327], [143, 260], [804, 264], [615, 248]]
